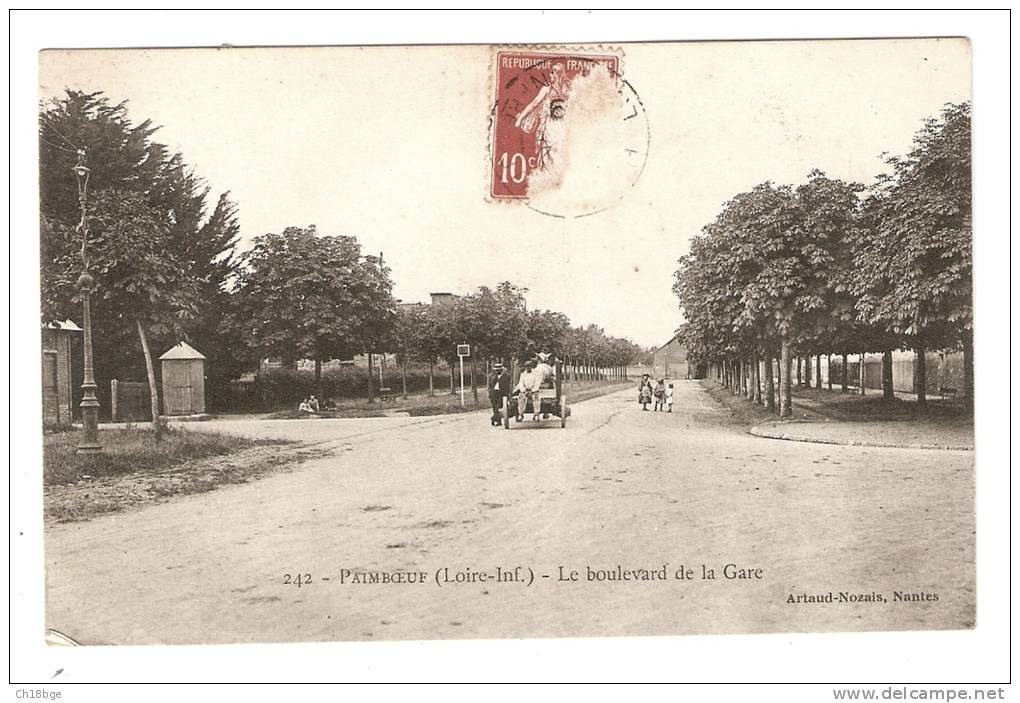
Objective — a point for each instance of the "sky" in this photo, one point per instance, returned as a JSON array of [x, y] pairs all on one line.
[[390, 144]]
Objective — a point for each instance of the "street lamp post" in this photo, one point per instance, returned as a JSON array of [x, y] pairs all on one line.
[[89, 441]]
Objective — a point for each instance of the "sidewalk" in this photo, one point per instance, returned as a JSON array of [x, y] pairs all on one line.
[[887, 433], [832, 417]]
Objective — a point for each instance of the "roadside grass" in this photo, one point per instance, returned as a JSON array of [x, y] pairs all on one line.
[[442, 403], [872, 407], [127, 451], [134, 469], [823, 405]]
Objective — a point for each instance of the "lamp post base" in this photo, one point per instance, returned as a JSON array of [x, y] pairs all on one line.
[[88, 443]]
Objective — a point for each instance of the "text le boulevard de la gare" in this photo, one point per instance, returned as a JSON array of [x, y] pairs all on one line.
[[527, 576]]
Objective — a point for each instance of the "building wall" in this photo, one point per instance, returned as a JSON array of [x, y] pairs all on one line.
[[671, 361], [56, 370], [943, 370]]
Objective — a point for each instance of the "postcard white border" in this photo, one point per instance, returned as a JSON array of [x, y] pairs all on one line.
[[979, 655]]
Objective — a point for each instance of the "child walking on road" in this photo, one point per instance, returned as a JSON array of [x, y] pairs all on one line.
[[660, 395], [645, 392], [669, 398]]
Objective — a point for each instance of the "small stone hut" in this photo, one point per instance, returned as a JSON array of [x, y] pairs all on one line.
[[183, 380], [57, 390]]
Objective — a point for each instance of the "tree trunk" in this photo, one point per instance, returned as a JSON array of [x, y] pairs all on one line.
[[846, 364], [318, 379], [157, 425], [474, 386], [786, 380], [800, 378], [770, 383], [403, 375], [432, 386], [828, 365], [779, 376], [887, 384], [968, 366], [921, 377], [861, 374], [818, 372], [371, 380], [453, 380], [757, 378]]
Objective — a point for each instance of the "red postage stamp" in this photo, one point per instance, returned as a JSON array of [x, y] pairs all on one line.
[[535, 93]]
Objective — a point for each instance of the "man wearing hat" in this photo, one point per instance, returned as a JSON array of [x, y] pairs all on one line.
[[499, 388]]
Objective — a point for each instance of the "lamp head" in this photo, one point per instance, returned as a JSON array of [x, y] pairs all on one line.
[[81, 171]]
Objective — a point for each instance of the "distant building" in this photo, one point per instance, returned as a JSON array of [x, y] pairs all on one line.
[[443, 298], [57, 399], [670, 361]]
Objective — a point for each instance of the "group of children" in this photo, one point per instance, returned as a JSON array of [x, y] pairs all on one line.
[[310, 406], [660, 392]]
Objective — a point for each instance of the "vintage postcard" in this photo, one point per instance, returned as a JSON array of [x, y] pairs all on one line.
[[511, 341]]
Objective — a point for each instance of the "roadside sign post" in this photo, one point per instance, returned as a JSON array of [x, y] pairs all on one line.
[[462, 351]]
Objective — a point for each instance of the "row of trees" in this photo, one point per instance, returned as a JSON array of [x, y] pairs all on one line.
[[498, 326], [831, 267], [299, 295], [165, 260]]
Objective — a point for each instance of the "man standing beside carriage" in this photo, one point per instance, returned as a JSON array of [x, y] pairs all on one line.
[[499, 388], [538, 373]]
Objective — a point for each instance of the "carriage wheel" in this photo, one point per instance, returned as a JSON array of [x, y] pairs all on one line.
[[563, 411], [506, 412]]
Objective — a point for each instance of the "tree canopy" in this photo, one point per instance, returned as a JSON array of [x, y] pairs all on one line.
[[158, 256], [832, 267], [300, 294]]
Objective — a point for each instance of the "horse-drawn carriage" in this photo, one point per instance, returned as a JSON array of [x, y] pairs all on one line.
[[549, 396]]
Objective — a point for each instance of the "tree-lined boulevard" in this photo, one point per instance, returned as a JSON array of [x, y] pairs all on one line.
[[832, 268], [751, 534], [617, 487]]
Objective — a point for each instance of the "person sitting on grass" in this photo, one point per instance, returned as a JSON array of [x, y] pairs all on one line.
[[306, 407]]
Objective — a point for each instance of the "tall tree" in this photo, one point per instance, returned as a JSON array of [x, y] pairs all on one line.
[[134, 175], [139, 283], [300, 294], [916, 266]]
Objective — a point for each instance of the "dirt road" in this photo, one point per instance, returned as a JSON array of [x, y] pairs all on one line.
[[618, 490]]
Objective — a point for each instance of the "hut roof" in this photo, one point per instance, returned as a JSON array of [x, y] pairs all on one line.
[[183, 350], [68, 325]]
